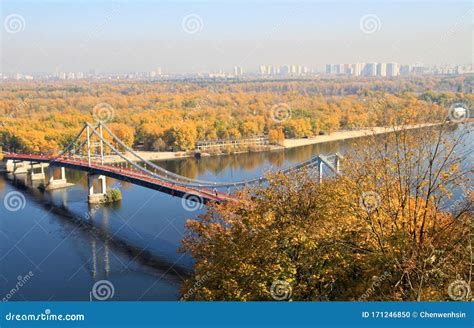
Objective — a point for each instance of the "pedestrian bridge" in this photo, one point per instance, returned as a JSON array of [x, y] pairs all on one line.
[[95, 143]]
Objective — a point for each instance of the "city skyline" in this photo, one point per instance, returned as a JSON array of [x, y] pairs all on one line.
[[372, 69], [194, 37]]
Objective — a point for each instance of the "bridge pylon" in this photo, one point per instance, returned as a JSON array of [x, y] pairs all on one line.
[[93, 196], [96, 149]]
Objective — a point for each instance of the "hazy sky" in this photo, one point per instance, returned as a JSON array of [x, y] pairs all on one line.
[[194, 36]]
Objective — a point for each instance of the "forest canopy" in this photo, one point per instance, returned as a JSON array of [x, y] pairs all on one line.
[[44, 117]]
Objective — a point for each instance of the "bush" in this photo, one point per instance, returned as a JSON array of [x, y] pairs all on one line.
[[112, 195]]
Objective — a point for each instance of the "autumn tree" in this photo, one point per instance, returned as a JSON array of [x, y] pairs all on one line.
[[123, 132], [218, 110], [386, 229], [298, 128], [276, 136], [183, 136]]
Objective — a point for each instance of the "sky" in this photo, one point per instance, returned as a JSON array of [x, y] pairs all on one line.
[[198, 36]]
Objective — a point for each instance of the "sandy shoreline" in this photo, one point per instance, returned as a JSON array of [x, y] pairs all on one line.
[[149, 156], [343, 135], [288, 143]]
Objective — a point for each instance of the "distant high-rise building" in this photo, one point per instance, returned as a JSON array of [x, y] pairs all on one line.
[[356, 69], [405, 69], [238, 70], [393, 69], [267, 70], [340, 69], [293, 69], [365, 69], [370, 69], [329, 69], [418, 68], [285, 70], [155, 73], [348, 69], [336, 69], [382, 69], [299, 70], [270, 70], [463, 69]]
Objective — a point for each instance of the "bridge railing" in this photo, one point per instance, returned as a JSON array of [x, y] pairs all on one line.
[[79, 149]]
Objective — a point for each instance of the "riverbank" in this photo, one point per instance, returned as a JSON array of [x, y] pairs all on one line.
[[167, 155], [344, 135], [288, 143]]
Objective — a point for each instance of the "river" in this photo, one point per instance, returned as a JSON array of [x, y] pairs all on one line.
[[64, 245]]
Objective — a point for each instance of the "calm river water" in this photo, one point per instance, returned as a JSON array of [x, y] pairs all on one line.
[[65, 246]]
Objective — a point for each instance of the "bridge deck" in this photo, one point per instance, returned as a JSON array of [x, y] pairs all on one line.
[[124, 174]]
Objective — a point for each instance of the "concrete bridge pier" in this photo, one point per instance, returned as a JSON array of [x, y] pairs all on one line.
[[36, 176], [338, 163], [94, 197], [10, 166], [17, 167], [57, 183], [320, 170]]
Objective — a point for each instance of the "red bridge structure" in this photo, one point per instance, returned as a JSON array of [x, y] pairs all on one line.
[[99, 152]]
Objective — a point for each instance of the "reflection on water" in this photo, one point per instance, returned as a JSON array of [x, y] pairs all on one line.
[[69, 245], [252, 163]]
